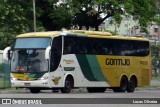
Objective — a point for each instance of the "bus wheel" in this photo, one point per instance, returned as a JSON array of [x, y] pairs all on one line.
[[68, 85], [55, 90], [96, 90], [102, 89], [123, 85], [131, 85], [35, 90], [116, 89]]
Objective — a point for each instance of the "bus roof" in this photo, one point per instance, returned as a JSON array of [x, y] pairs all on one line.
[[39, 34], [80, 33]]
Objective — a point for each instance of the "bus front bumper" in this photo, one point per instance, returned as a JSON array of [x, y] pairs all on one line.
[[27, 84]]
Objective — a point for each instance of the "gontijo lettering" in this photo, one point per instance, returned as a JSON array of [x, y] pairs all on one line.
[[123, 62]]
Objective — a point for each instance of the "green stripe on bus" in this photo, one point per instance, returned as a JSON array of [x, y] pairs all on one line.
[[77, 35], [81, 35], [38, 75], [85, 67], [95, 67]]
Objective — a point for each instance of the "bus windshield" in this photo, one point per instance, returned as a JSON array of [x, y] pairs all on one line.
[[29, 55], [29, 61], [32, 43]]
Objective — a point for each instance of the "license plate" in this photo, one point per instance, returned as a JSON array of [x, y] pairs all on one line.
[[27, 84]]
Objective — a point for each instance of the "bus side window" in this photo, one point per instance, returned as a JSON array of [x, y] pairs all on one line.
[[56, 53], [69, 45], [81, 47]]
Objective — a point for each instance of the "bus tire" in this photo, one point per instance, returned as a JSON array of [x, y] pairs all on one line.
[[68, 85], [96, 90], [35, 90], [132, 85], [116, 89], [55, 91], [123, 85]]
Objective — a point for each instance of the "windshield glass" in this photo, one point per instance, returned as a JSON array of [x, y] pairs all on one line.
[[29, 61], [32, 43]]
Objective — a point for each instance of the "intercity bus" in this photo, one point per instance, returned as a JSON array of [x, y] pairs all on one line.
[[66, 60]]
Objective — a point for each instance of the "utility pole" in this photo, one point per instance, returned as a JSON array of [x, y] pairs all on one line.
[[159, 19], [34, 15], [115, 28]]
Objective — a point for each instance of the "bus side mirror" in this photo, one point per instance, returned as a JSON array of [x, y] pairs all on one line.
[[6, 53], [47, 52]]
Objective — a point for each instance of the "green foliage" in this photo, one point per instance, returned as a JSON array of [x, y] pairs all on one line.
[[155, 49], [144, 11], [54, 16], [17, 15], [113, 33], [14, 19], [6, 39], [90, 11]]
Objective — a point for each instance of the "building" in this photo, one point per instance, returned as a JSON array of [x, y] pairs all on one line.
[[102, 26], [153, 33], [128, 26], [62, 1]]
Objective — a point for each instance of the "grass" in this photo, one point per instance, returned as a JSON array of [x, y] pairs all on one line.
[[4, 83], [155, 78], [152, 86], [1, 67]]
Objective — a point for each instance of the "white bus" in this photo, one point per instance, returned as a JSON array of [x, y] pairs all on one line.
[[67, 60]]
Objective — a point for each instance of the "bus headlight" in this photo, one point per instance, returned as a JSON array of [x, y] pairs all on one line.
[[43, 78], [14, 78]]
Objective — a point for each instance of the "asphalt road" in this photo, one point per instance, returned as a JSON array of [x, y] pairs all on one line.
[[82, 95], [107, 94]]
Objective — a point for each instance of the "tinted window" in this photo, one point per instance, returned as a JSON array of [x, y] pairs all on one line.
[[70, 44], [98, 46], [56, 53]]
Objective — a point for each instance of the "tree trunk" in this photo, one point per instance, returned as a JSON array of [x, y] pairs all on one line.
[[80, 27], [87, 27], [96, 28]]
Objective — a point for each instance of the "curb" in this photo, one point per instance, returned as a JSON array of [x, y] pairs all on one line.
[[26, 91]]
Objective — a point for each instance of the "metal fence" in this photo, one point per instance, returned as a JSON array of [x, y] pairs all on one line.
[[5, 75]]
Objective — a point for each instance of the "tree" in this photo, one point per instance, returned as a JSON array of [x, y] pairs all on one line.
[[155, 49], [91, 13], [13, 20], [55, 16], [16, 15]]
